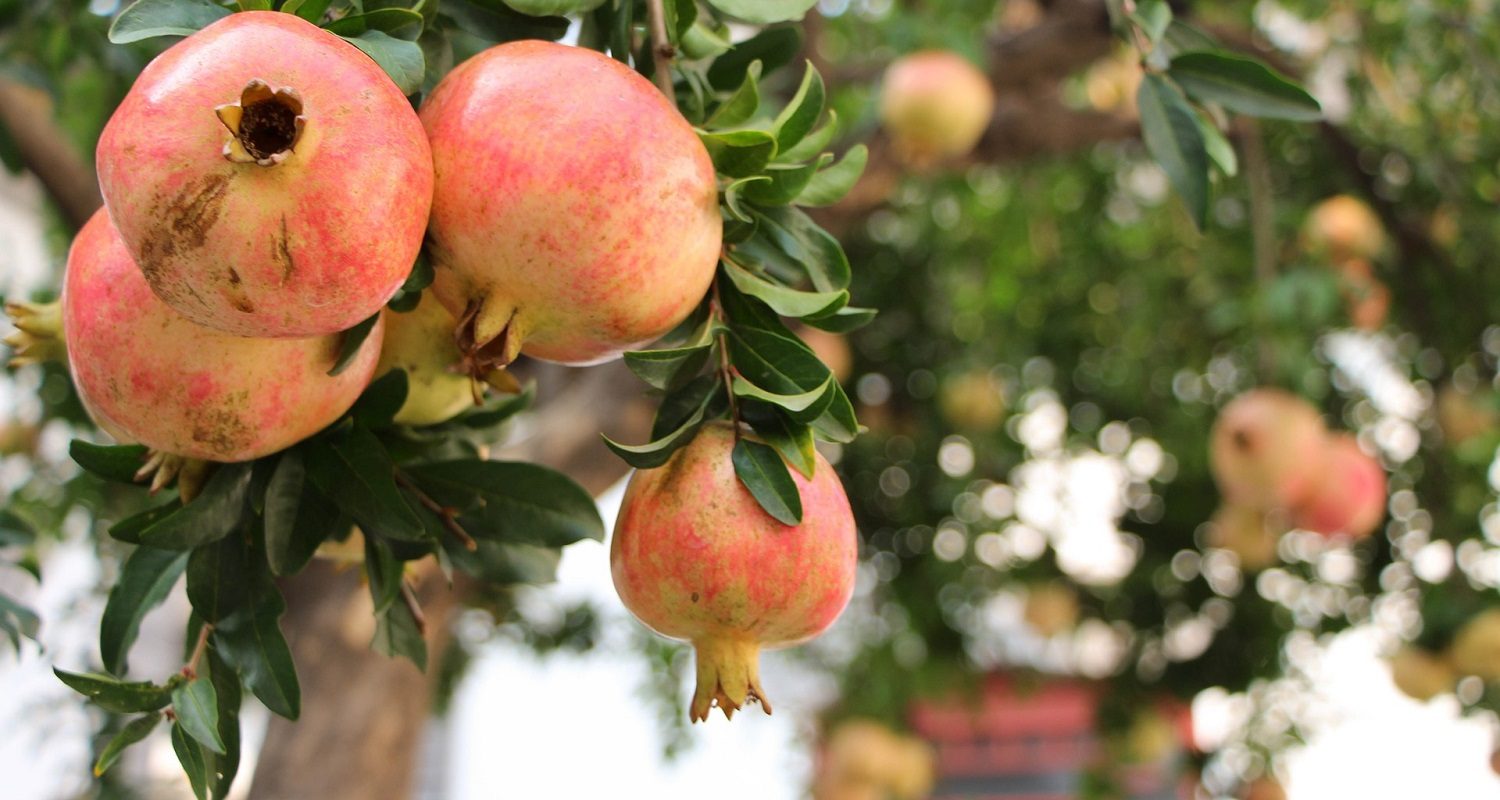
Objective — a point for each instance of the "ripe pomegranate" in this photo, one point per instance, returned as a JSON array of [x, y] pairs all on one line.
[[1247, 533], [1476, 647], [152, 376], [935, 104], [695, 557], [865, 760], [1350, 498], [972, 401], [1343, 227], [576, 213], [420, 342], [1420, 674], [268, 178], [1367, 298], [1268, 449], [1051, 608]]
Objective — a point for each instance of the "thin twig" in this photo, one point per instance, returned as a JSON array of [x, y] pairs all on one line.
[[446, 514], [410, 598], [190, 670], [1262, 229], [725, 369], [662, 51]]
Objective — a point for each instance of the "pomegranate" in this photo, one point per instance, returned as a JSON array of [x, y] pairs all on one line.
[[1343, 227], [1051, 608], [973, 400], [935, 105], [1420, 674], [1476, 648], [1350, 498], [268, 178], [695, 557], [420, 342], [576, 213], [1268, 449], [1366, 297], [152, 376], [1247, 533]]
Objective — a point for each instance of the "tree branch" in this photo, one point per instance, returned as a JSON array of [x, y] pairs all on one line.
[[26, 114]]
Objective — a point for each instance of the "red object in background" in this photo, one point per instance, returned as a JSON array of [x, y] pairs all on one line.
[[1014, 741]]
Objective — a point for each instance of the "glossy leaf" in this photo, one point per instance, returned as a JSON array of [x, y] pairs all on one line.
[[802, 112], [378, 404], [1170, 128], [1153, 17], [310, 10], [528, 502], [404, 63], [145, 19], [844, 320], [773, 47], [786, 181], [398, 23], [194, 761], [113, 694], [211, 515], [783, 300], [129, 529], [218, 578], [741, 106], [357, 474], [763, 472], [397, 634], [739, 153], [1243, 85], [111, 462], [17, 621], [351, 340], [656, 452], [794, 441], [800, 238], [831, 184], [134, 731], [733, 196], [667, 369], [764, 11], [197, 708], [252, 641], [813, 143], [1219, 150], [147, 577]]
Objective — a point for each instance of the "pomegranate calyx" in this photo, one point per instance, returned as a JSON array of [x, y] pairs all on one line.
[[728, 677], [490, 339], [38, 337], [163, 468], [264, 125]]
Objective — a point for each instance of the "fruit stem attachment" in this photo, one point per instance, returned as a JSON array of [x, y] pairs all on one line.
[[446, 514], [489, 338], [662, 51], [163, 468], [728, 677], [264, 125], [38, 337]]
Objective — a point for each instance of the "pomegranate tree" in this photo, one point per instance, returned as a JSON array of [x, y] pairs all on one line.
[[151, 376], [695, 557], [268, 178], [575, 214]]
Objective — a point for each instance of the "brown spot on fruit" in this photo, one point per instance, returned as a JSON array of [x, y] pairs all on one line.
[[185, 222], [221, 429], [281, 252]]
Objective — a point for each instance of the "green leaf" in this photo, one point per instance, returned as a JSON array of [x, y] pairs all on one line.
[[742, 105], [831, 184], [310, 10], [254, 5], [1219, 150], [1153, 17], [668, 369], [813, 143], [524, 502], [113, 694], [837, 423], [197, 708], [793, 440], [498, 23], [739, 153], [253, 643], [357, 474], [656, 452], [218, 578], [404, 62], [15, 530], [17, 621], [384, 572], [701, 41], [542, 8], [680, 405], [378, 404], [227, 686], [1243, 85], [298, 518], [763, 472], [799, 402], [113, 463], [1170, 128], [1182, 38], [129, 529], [193, 760], [801, 114], [134, 731], [145, 19], [350, 342], [145, 580], [786, 181], [773, 47], [420, 277], [764, 11], [784, 300], [211, 515], [398, 23], [732, 194], [397, 634], [796, 235]]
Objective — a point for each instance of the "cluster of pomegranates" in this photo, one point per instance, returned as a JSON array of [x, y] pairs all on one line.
[[1346, 232], [267, 188], [1278, 466]]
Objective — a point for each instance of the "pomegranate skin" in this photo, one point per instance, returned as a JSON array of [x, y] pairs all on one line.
[[151, 376], [694, 557], [1351, 499], [305, 247], [1268, 449], [575, 214]]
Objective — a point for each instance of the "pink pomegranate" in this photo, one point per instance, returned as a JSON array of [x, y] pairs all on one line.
[[936, 105], [696, 558], [575, 215], [1350, 499], [1268, 449], [268, 178], [152, 376]]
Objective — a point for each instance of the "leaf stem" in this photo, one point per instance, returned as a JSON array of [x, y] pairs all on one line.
[[725, 369], [190, 669], [662, 51], [446, 514], [409, 597]]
